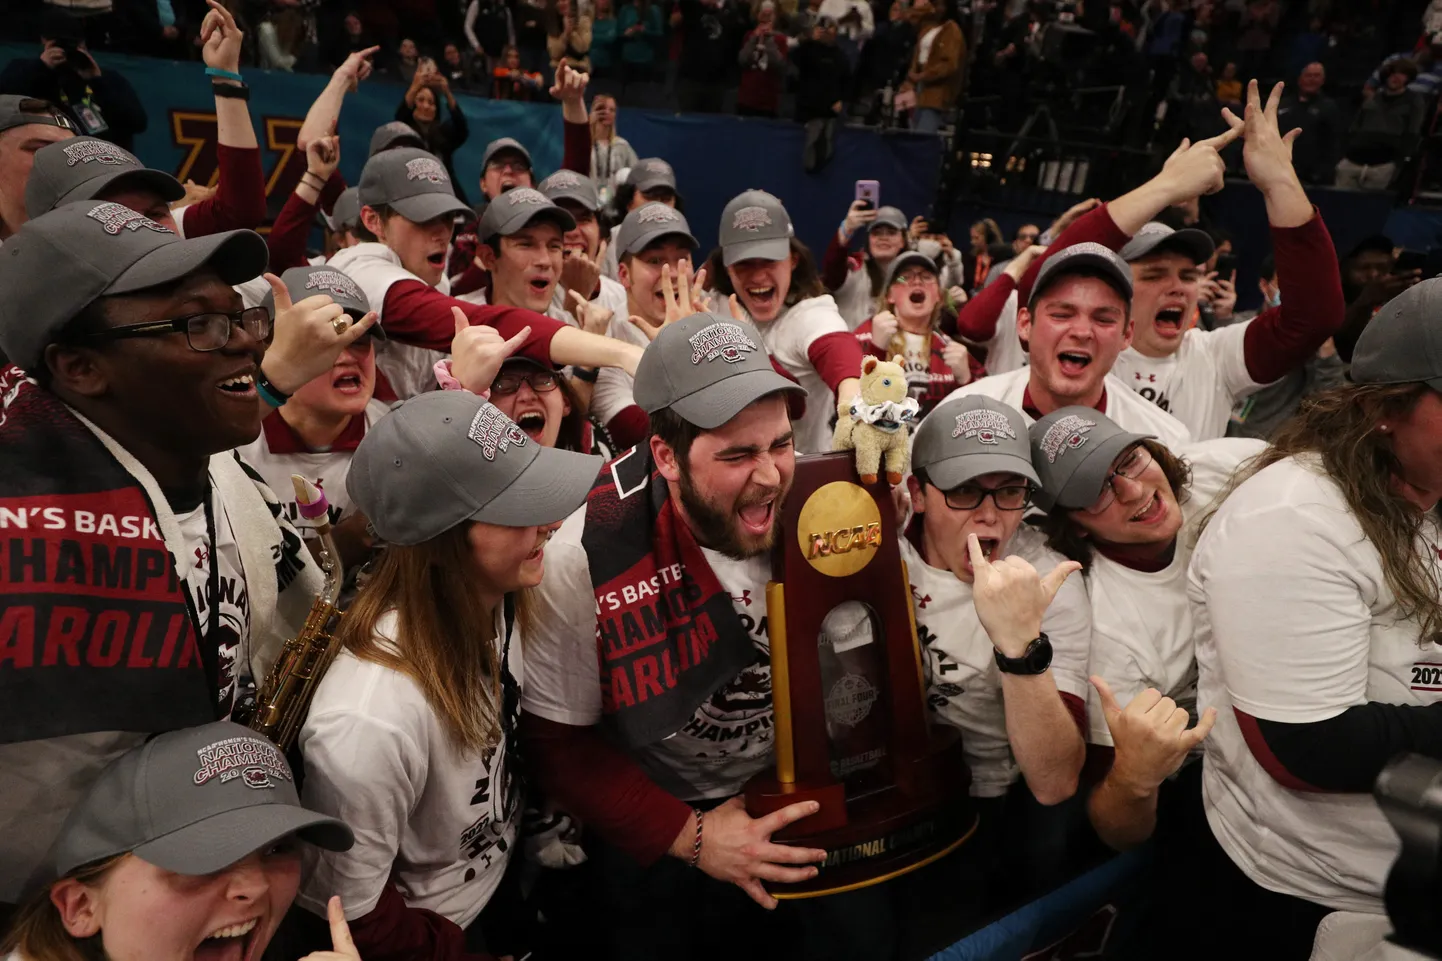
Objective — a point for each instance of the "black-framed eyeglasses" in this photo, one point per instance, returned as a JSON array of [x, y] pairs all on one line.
[[1131, 465], [204, 332], [510, 381], [968, 497]]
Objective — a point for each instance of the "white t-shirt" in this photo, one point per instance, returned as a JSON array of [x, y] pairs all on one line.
[[1295, 623], [1199, 384], [1004, 352], [788, 338], [232, 625], [854, 299], [1125, 409], [1141, 620], [437, 821], [615, 389], [963, 683], [279, 452], [729, 738], [375, 267]]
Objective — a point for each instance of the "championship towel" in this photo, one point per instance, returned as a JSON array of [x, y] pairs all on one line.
[[95, 634], [667, 635]]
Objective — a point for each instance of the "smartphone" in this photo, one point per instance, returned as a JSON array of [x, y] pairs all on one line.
[[869, 192], [1226, 264], [1410, 260]]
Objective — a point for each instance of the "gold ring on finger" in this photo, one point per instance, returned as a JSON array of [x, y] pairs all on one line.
[[340, 324]]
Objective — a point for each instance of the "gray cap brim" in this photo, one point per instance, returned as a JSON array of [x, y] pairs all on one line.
[[1189, 241], [216, 842], [576, 195], [776, 248], [524, 218], [550, 489], [167, 187], [712, 406], [642, 241], [1065, 266], [236, 255], [1085, 484], [428, 206], [955, 471]]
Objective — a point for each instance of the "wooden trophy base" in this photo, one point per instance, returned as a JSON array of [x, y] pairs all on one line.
[[923, 815]]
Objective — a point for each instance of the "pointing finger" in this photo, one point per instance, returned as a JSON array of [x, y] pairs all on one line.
[[357, 330], [580, 301], [1222, 139], [978, 559], [340, 938], [1232, 119], [514, 344]]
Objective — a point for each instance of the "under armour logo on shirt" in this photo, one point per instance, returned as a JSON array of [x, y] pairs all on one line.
[[745, 598], [201, 556]]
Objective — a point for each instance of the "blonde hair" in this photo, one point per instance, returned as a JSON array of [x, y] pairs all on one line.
[[38, 932], [444, 638]]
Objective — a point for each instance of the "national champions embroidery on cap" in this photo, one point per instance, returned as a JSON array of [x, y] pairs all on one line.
[[751, 218], [1069, 433], [251, 759], [426, 168], [334, 282], [525, 195], [727, 341], [657, 214], [983, 425], [494, 432], [99, 151], [1088, 247], [115, 218], [563, 178]]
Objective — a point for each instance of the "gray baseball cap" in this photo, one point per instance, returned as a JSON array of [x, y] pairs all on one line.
[[971, 436], [192, 801], [650, 173], [649, 223], [519, 208], [890, 217], [706, 368], [62, 261], [755, 226], [1073, 449], [569, 185], [500, 146], [411, 182], [82, 168], [1087, 256], [395, 134], [909, 258], [1402, 343], [346, 212], [303, 282], [446, 457], [18, 111], [1156, 237]]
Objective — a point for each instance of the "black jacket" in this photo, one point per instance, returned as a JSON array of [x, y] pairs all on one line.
[[822, 75], [110, 93], [1316, 151]]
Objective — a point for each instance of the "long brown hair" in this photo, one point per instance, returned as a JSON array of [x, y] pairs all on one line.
[[1340, 427], [1066, 536], [444, 638], [805, 278], [38, 932]]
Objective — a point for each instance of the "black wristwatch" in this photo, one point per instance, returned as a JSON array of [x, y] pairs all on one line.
[[1034, 660]]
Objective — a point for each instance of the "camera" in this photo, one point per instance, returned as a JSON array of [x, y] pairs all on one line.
[[1409, 791]]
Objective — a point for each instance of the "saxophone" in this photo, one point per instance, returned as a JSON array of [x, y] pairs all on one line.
[[284, 698]]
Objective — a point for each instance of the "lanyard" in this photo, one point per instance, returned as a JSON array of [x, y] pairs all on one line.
[[206, 643]]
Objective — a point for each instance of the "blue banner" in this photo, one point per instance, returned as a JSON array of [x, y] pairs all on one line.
[[715, 157]]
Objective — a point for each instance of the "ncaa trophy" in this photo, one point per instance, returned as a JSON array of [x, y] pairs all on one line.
[[852, 727]]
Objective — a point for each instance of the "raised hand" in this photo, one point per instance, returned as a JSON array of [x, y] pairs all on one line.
[[1196, 169], [593, 318], [52, 57], [955, 355], [322, 156], [308, 337], [220, 39], [736, 847], [579, 272], [1150, 735], [1267, 155], [342, 947], [1071, 214], [478, 351], [857, 216], [357, 67], [683, 298], [570, 85], [1010, 597], [883, 327], [1022, 261]]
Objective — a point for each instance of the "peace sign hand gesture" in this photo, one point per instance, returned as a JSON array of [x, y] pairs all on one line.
[[1010, 597]]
